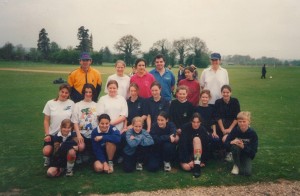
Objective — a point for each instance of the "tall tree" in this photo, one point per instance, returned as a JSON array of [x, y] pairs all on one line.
[[128, 45], [84, 41], [43, 43], [7, 51], [181, 46], [197, 47], [91, 43], [163, 46]]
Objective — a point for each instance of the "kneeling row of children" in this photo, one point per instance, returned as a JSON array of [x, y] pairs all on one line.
[[155, 149]]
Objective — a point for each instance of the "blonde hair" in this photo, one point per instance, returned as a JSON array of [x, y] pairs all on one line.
[[120, 61], [244, 115], [182, 87], [137, 119]]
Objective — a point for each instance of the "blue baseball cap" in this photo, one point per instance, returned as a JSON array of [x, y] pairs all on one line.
[[85, 56], [215, 56]]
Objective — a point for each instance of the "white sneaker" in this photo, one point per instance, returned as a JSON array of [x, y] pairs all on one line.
[[69, 172], [111, 167], [235, 170], [167, 166], [229, 157], [139, 166], [47, 161]]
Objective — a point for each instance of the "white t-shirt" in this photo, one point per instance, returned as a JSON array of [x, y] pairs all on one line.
[[85, 116], [214, 81], [114, 107], [58, 111], [123, 84]]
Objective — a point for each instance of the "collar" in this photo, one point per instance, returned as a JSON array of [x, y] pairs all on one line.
[[60, 134], [99, 131], [211, 69]]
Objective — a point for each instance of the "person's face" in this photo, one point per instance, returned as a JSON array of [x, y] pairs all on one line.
[[188, 74], [63, 94], [159, 63], [103, 125], [112, 90], [204, 99], [66, 130], [137, 126], [215, 62], [243, 124], [88, 94], [155, 91], [85, 64], [120, 69], [181, 95], [161, 121], [133, 92], [196, 123], [226, 94], [141, 67]]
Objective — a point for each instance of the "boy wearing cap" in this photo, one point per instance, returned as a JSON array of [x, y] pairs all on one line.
[[214, 77], [82, 75]]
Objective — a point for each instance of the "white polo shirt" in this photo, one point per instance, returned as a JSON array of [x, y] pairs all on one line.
[[213, 81]]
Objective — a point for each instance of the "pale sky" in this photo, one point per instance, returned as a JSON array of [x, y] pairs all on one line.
[[247, 27]]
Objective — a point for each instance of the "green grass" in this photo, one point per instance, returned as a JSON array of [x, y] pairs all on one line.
[[273, 103]]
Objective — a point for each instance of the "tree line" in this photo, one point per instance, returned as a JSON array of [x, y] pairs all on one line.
[[185, 51]]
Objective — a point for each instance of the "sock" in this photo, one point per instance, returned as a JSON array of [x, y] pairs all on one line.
[[70, 166], [197, 156]]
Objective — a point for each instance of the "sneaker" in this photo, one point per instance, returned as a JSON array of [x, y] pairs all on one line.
[[111, 167], [79, 159], [167, 166], [139, 166], [120, 160], [69, 172], [235, 170], [197, 171], [47, 161], [228, 157]]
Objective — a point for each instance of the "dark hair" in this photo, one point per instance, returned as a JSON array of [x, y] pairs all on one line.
[[189, 68], [155, 83], [182, 87], [164, 114], [103, 116], [205, 91], [112, 82], [160, 56], [88, 85], [62, 86], [139, 60], [196, 115], [226, 86]]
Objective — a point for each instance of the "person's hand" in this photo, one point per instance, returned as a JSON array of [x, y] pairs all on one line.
[[191, 164], [98, 138], [80, 139], [131, 137], [178, 131], [172, 138], [227, 131], [214, 135], [47, 138], [105, 167]]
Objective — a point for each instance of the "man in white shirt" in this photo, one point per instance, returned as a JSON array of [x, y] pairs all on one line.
[[214, 77]]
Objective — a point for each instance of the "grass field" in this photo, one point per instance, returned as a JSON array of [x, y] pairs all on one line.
[[273, 103]]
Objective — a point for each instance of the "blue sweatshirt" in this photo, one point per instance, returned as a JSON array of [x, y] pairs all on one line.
[[143, 138], [112, 135]]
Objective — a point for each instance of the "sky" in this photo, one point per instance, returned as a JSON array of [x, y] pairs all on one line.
[[246, 27]]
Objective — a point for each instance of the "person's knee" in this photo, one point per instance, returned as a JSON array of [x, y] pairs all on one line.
[[81, 147], [52, 172], [185, 167], [47, 150], [98, 167]]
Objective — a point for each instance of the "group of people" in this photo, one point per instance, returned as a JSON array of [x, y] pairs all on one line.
[[139, 123]]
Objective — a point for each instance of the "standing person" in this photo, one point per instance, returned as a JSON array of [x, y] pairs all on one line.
[[122, 79], [164, 76], [114, 105], [263, 72], [84, 118], [136, 105], [165, 139], [180, 75], [193, 86], [82, 75], [142, 78], [155, 104], [226, 111], [181, 110], [193, 146], [195, 72], [214, 77], [55, 111], [242, 142], [138, 147], [104, 140], [64, 153]]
